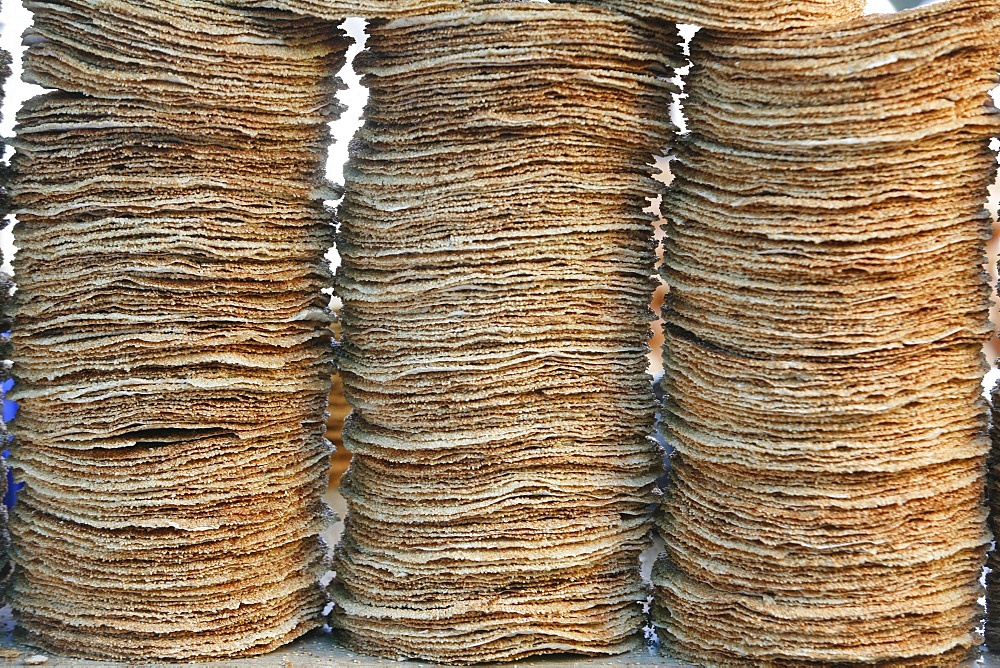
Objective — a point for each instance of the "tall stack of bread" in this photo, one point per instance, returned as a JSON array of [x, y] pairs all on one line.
[[172, 348]]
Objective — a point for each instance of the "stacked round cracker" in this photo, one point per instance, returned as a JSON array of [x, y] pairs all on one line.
[[825, 323], [737, 15], [172, 353], [336, 10], [497, 271]]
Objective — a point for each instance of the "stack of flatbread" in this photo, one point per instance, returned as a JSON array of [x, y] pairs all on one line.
[[825, 323], [992, 625], [496, 279], [737, 15], [5, 60], [173, 352], [336, 10]]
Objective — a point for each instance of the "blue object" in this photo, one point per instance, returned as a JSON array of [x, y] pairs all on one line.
[[9, 412], [12, 488]]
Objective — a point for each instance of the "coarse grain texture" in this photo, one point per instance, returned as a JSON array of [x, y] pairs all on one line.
[[823, 357], [497, 271], [172, 350], [761, 16], [338, 410]]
